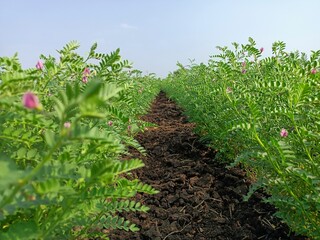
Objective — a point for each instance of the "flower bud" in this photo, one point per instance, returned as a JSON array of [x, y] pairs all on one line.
[[86, 72], [85, 79], [283, 133], [31, 101], [39, 65]]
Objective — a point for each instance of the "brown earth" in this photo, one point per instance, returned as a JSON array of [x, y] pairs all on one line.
[[199, 197]]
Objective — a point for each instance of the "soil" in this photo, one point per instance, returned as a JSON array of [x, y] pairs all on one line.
[[200, 198]]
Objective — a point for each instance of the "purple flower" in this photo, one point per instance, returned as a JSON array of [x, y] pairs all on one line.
[[39, 65], [86, 72], [110, 123], [129, 127], [243, 71], [31, 101], [261, 50], [244, 64], [313, 71], [85, 75], [67, 124], [85, 79], [283, 133]]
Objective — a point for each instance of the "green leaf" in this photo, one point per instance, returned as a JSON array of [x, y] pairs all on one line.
[[22, 152], [50, 138], [15, 77], [49, 186], [23, 230], [91, 90], [92, 49], [133, 228], [31, 153], [9, 173]]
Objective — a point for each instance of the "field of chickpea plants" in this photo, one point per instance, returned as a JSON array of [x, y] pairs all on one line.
[[93, 149]]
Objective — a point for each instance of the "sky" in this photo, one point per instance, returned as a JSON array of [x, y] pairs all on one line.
[[155, 34]]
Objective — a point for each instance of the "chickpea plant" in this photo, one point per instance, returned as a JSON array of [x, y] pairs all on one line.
[[265, 114], [62, 135]]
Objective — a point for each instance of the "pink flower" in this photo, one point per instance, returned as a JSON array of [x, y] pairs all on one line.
[[86, 72], [110, 123], [283, 133], [261, 50], [85, 79], [67, 124], [129, 127], [313, 71], [244, 64], [39, 65], [85, 75], [31, 101], [243, 71]]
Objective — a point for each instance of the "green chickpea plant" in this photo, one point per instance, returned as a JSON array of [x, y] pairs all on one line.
[[64, 127], [263, 113]]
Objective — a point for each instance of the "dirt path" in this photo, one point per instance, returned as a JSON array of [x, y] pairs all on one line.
[[199, 198]]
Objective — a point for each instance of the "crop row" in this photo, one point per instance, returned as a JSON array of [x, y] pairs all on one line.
[[64, 127], [262, 113]]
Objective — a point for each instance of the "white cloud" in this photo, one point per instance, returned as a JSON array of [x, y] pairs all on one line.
[[127, 26]]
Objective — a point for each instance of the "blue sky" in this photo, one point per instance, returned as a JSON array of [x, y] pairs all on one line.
[[152, 34]]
